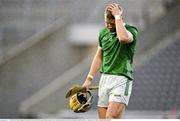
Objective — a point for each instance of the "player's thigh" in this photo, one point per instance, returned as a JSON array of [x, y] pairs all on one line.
[[102, 112], [115, 110]]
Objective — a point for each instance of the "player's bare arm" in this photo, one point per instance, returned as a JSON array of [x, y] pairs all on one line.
[[96, 63], [123, 35]]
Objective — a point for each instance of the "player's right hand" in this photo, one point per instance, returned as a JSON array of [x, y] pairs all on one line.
[[115, 9], [86, 84]]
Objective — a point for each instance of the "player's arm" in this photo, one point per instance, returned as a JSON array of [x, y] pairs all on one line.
[[96, 63], [123, 34]]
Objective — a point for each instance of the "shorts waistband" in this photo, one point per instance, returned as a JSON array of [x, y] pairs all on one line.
[[114, 75]]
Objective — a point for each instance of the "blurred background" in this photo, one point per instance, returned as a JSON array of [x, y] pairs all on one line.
[[46, 46]]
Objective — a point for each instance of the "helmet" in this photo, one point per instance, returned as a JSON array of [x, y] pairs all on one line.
[[81, 102]]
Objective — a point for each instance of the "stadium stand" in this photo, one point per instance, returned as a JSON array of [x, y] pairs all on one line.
[[42, 68], [156, 84]]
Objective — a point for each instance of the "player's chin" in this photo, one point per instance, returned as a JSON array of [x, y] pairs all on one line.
[[112, 30]]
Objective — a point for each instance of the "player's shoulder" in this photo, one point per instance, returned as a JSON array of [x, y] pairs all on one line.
[[104, 30], [131, 27]]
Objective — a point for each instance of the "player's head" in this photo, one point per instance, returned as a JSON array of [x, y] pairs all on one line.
[[109, 20]]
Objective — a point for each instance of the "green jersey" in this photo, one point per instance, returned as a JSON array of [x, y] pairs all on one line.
[[117, 57]]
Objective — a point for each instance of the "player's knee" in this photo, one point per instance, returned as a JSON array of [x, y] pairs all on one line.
[[112, 115]]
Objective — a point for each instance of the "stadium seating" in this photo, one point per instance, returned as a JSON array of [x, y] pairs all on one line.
[[156, 84]]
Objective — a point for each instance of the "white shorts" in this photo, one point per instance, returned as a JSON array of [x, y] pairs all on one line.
[[114, 88]]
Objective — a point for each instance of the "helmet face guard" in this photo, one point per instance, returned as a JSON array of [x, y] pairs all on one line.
[[81, 102]]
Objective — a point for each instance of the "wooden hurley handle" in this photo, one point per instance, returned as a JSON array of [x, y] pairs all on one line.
[[93, 87]]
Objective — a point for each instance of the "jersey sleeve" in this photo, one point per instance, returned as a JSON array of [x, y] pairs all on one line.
[[134, 32], [99, 39]]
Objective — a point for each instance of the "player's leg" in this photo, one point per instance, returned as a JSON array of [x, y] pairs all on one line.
[[103, 100], [119, 97], [102, 112], [115, 110]]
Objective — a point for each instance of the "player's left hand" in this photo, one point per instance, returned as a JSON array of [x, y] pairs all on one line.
[[115, 9]]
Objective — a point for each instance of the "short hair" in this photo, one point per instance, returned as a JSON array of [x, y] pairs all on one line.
[[108, 14]]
